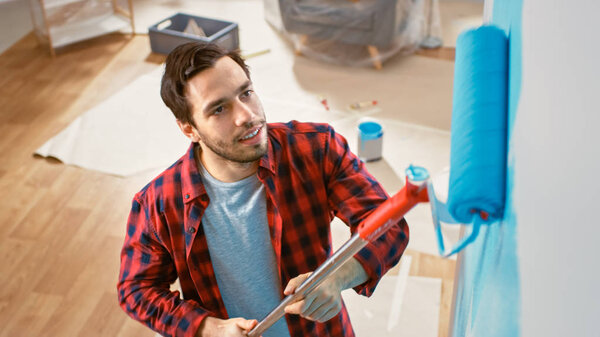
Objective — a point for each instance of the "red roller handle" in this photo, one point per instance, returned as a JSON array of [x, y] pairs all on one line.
[[392, 210]]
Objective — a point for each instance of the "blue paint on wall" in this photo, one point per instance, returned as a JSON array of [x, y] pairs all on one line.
[[488, 292]]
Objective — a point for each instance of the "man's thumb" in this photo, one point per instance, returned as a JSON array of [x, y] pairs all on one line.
[[294, 283], [248, 324]]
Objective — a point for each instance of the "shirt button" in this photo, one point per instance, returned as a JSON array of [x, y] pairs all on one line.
[[192, 230], [187, 196]]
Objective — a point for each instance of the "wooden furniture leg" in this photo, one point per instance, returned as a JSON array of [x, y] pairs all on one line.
[[130, 4], [52, 51], [375, 56], [129, 14], [301, 42]]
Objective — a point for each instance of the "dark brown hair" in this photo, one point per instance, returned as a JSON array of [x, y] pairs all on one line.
[[183, 63]]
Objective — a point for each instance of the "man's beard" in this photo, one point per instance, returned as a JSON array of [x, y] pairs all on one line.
[[229, 152]]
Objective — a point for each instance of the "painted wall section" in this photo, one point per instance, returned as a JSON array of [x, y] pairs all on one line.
[[536, 273], [556, 146], [488, 290]]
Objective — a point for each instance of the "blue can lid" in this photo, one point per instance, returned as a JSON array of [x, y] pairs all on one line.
[[370, 130], [417, 173]]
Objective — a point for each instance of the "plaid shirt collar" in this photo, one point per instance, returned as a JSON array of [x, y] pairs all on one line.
[[191, 181]]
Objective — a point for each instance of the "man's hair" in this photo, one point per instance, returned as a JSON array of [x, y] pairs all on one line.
[[183, 63]]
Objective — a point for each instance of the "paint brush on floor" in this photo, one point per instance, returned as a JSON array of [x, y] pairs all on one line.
[[362, 105]]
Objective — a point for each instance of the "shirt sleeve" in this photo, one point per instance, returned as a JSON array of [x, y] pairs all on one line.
[[146, 272], [353, 194]]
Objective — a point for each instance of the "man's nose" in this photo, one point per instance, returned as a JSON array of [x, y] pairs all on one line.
[[243, 113]]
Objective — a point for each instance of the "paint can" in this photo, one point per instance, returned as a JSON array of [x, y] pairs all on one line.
[[370, 140]]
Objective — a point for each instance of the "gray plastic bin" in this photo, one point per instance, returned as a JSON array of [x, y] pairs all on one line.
[[163, 41]]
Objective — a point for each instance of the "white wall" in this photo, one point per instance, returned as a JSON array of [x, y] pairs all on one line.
[[556, 147]]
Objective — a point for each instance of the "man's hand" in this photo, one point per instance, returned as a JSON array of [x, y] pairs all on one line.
[[233, 327], [324, 302], [321, 304]]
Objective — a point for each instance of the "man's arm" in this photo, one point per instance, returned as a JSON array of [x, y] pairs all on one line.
[[325, 301], [353, 194], [146, 272]]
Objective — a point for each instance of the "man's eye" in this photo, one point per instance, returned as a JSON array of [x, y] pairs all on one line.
[[247, 93], [218, 110]]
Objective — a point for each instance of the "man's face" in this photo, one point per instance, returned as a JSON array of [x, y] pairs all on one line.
[[230, 121]]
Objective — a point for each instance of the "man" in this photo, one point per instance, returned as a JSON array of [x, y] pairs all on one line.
[[244, 217]]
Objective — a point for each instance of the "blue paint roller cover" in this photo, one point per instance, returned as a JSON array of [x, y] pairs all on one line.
[[479, 118]]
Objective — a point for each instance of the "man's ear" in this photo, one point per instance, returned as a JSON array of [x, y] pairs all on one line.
[[189, 131]]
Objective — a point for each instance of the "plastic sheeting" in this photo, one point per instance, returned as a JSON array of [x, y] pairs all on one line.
[[60, 22], [356, 32]]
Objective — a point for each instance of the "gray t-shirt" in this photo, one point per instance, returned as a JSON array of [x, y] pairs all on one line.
[[237, 233]]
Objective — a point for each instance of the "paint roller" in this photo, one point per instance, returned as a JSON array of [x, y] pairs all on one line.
[[478, 136], [478, 161]]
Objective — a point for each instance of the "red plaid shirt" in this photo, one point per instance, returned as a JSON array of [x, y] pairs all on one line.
[[310, 176]]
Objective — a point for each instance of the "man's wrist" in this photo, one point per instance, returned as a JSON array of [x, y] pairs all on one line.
[[351, 274], [207, 326]]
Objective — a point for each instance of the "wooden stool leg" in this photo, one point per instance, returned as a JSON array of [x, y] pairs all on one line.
[[375, 56], [130, 5], [301, 42]]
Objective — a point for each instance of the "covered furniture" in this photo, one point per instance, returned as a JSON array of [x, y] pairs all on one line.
[[378, 25]]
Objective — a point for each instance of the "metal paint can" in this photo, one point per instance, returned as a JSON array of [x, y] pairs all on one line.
[[370, 140]]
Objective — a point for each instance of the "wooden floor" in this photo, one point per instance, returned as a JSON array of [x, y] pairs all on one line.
[[61, 227]]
